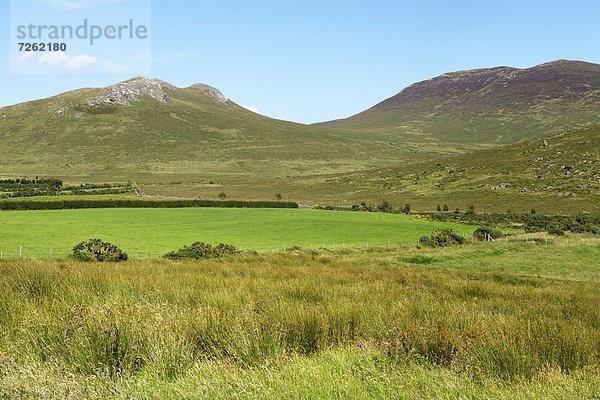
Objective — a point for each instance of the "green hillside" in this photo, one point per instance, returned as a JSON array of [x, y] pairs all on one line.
[[560, 173], [500, 105], [144, 127]]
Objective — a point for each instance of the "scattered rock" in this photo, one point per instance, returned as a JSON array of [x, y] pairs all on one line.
[[59, 110], [501, 186], [566, 194]]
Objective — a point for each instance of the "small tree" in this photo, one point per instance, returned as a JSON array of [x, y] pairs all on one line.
[[439, 208], [446, 209], [278, 196], [222, 195], [406, 209]]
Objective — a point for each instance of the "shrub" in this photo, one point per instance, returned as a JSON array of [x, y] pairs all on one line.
[[406, 209], [442, 238], [584, 228], [97, 250], [385, 206], [486, 233], [556, 230], [201, 250]]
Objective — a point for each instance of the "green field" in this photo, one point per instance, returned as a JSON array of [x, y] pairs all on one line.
[[153, 232], [509, 319]]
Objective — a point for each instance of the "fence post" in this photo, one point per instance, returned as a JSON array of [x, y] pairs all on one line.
[[21, 252]]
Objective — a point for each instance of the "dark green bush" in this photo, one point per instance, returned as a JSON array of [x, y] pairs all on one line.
[[201, 250], [533, 228], [385, 207], [442, 238], [584, 228], [97, 250], [486, 233], [556, 230]]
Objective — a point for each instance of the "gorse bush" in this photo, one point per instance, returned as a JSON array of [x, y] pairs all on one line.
[[487, 233], [97, 250], [556, 230], [442, 238], [201, 250]]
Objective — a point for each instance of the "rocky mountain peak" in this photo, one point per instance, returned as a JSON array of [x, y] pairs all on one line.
[[124, 93], [211, 92]]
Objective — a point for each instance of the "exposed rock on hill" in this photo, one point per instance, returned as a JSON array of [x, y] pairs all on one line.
[[124, 93], [211, 92]]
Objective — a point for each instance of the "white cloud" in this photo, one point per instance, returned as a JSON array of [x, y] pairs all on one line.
[[252, 108], [68, 5], [60, 62]]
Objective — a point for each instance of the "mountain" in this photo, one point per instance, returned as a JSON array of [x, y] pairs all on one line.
[[147, 129], [500, 105]]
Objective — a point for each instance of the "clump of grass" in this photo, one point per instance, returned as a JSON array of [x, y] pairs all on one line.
[[419, 259]]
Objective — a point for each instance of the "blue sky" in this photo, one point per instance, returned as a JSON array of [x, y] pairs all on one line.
[[310, 61]]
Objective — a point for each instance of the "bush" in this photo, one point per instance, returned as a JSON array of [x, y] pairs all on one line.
[[533, 228], [385, 207], [97, 250], [486, 233], [556, 230], [584, 228], [442, 238], [201, 250]]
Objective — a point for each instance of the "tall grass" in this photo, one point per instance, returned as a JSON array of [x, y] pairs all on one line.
[[161, 320]]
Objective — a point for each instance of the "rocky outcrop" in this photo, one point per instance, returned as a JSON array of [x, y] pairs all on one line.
[[211, 92], [125, 93]]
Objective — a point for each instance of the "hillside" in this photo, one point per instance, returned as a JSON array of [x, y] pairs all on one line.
[[560, 173], [143, 128], [500, 105], [194, 142]]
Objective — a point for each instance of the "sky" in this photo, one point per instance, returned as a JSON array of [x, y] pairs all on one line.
[[305, 61]]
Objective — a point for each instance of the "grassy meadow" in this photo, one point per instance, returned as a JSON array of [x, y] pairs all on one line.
[[517, 318], [154, 232]]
